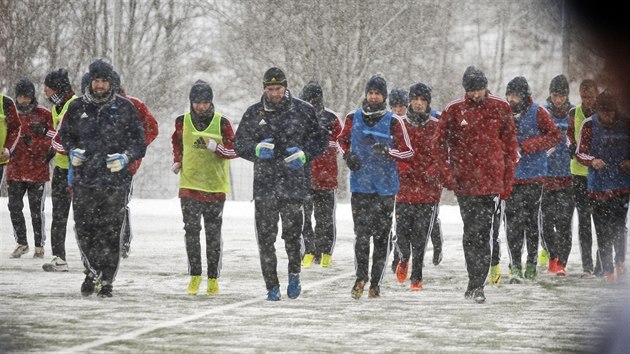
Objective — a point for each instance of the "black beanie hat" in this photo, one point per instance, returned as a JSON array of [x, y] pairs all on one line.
[[201, 92], [58, 81], [606, 102], [519, 86], [474, 79], [312, 92], [25, 87], [377, 83], [274, 76], [398, 96], [100, 69], [559, 85], [420, 89]]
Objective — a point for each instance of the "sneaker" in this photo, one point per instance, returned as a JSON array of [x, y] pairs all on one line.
[[56, 265], [357, 289], [587, 275], [19, 251], [437, 257], [307, 260], [479, 296], [561, 270], [401, 271], [193, 285], [87, 288], [609, 276], [326, 260], [495, 275], [106, 291], [553, 265], [124, 252], [274, 294], [543, 257], [620, 270], [516, 274], [294, 289], [416, 285], [213, 286], [530, 271], [39, 252], [469, 292], [375, 291]]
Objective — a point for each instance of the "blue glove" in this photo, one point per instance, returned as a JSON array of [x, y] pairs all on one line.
[[264, 149], [296, 159], [77, 157], [116, 162]]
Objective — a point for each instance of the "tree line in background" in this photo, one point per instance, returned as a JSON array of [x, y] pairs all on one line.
[[161, 46]]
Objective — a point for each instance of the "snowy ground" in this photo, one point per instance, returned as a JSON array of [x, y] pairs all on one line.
[[151, 312]]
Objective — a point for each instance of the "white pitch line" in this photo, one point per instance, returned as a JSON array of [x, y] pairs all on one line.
[[178, 321]]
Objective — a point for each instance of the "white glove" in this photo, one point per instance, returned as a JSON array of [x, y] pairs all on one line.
[[5, 154], [77, 157], [116, 162], [212, 145], [176, 167]]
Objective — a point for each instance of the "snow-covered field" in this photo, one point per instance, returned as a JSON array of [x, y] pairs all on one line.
[[151, 312]]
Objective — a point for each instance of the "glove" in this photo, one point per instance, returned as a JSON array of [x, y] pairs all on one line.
[[381, 149], [116, 162], [77, 157], [572, 149], [264, 149], [49, 155], [39, 129], [296, 159], [212, 145], [176, 167], [27, 140], [352, 160]]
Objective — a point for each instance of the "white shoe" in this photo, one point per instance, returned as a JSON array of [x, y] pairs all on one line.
[[56, 265], [39, 252], [19, 251]]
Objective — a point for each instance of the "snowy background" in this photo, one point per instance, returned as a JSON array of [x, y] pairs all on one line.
[[151, 312]]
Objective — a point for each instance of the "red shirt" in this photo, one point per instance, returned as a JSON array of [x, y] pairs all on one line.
[[28, 159], [149, 124], [477, 142], [419, 177], [13, 124], [324, 167]]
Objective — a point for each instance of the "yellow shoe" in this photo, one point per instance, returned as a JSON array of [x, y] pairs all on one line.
[[326, 260], [193, 286], [307, 260], [543, 257], [213, 286], [495, 274]]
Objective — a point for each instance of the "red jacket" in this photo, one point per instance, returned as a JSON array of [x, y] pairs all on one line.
[[324, 168], [28, 160], [13, 124], [149, 124], [478, 140], [420, 176], [224, 150]]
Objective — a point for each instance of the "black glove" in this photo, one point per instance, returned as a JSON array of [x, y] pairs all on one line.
[[381, 149], [49, 155], [27, 139], [352, 160], [572, 149], [38, 129]]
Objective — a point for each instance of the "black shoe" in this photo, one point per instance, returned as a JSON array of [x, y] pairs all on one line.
[[124, 252], [478, 296], [106, 291], [87, 288], [468, 294], [375, 291]]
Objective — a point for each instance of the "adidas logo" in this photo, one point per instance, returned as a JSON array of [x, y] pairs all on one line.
[[199, 144], [262, 122], [84, 115], [463, 123]]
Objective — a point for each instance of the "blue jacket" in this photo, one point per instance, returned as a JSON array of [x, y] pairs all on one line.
[[612, 146], [295, 125], [559, 161], [111, 128], [532, 165]]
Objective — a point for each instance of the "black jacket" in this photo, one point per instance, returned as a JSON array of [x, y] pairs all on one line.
[[111, 128], [294, 126]]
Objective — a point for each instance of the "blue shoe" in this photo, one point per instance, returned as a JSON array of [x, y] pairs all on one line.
[[274, 294], [294, 288]]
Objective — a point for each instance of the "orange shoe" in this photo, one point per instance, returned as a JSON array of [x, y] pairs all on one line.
[[620, 270], [416, 285], [553, 265], [561, 270], [609, 276], [401, 271]]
